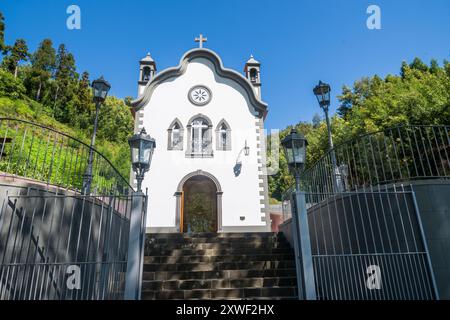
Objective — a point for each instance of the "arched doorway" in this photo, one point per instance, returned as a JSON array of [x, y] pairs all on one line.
[[199, 199]]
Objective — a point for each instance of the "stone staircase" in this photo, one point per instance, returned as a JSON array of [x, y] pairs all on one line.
[[218, 266]]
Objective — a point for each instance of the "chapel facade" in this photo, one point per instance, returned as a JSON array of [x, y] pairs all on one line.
[[208, 172]]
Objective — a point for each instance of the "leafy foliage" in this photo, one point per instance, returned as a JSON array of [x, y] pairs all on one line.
[[2, 31], [49, 91], [9, 86], [419, 95], [18, 53]]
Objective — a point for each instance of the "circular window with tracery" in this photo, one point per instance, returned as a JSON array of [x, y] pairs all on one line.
[[200, 95]]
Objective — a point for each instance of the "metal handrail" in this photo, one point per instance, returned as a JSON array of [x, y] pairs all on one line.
[[392, 155], [74, 144]]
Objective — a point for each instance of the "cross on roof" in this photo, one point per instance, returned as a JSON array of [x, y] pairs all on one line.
[[201, 40]]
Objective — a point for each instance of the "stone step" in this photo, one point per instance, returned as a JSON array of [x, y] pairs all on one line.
[[218, 266], [241, 293], [272, 239], [217, 274], [210, 266], [157, 285], [198, 259], [215, 235], [217, 246], [215, 252]]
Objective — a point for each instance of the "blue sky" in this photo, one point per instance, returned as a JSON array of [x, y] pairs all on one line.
[[298, 42]]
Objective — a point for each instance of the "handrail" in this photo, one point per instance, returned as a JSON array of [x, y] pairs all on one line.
[[391, 155], [105, 169]]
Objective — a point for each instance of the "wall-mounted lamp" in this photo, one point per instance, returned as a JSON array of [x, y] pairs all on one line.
[[238, 166], [246, 149]]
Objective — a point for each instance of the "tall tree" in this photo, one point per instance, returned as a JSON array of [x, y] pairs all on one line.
[[83, 104], [17, 53], [64, 84], [43, 64], [2, 31], [84, 94]]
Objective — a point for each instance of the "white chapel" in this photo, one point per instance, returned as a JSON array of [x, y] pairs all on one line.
[[208, 169]]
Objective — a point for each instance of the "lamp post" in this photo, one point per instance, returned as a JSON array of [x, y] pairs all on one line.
[[322, 93], [294, 145], [100, 89], [142, 147]]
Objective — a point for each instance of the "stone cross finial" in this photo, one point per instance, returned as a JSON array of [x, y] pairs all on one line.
[[201, 40]]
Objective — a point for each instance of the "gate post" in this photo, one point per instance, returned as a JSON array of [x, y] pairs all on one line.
[[302, 246], [136, 241]]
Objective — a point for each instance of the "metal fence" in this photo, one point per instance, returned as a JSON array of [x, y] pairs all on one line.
[[390, 156], [63, 246], [55, 242], [360, 238], [365, 229], [32, 151]]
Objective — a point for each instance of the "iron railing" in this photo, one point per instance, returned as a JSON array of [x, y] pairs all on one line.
[[60, 246], [370, 245], [390, 156], [364, 223], [36, 152], [55, 242]]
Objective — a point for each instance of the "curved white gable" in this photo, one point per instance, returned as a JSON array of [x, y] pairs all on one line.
[[216, 63]]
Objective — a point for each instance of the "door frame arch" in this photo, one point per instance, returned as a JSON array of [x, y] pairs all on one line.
[[179, 198]]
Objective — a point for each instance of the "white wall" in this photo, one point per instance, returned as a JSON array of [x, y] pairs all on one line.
[[241, 194]]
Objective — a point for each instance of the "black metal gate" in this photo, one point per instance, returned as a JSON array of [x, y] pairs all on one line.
[[364, 225], [56, 242], [63, 247], [369, 245]]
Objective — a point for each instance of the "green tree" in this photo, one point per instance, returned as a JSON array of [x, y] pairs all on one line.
[[83, 105], [64, 85], [9, 86], [419, 95], [2, 32], [115, 120], [43, 64], [17, 53], [419, 65]]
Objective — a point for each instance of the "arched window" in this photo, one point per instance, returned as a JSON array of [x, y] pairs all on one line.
[[175, 136], [146, 74], [199, 137], [223, 136], [253, 75]]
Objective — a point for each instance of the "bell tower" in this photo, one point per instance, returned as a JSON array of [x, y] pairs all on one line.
[[147, 70], [252, 72]]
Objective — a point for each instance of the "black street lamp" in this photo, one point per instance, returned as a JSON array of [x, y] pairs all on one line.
[[322, 93], [142, 147], [294, 145], [100, 89]]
